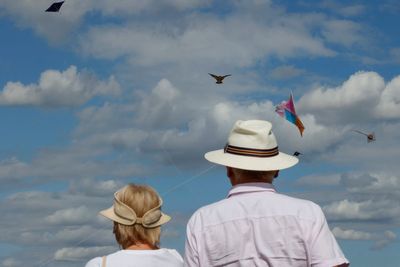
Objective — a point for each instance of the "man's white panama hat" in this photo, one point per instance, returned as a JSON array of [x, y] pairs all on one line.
[[252, 146]]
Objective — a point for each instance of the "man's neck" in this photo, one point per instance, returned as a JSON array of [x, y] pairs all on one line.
[[246, 181]]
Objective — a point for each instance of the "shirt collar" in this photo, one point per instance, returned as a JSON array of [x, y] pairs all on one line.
[[251, 187]]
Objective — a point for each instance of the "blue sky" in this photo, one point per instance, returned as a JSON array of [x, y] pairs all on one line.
[[110, 92]]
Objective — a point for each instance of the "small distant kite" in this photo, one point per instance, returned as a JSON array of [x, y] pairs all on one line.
[[370, 136], [286, 110], [55, 7], [218, 78], [297, 153]]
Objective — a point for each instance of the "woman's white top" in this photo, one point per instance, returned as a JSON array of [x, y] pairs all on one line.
[[137, 258]]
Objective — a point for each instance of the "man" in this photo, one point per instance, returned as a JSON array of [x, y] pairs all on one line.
[[255, 225]]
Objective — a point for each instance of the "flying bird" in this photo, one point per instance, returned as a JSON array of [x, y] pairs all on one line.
[[370, 136], [218, 78], [55, 7], [286, 110], [297, 153]]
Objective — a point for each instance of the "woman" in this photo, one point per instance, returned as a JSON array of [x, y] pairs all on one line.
[[137, 220]]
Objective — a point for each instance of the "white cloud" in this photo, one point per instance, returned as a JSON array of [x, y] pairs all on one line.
[[380, 240], [351, 234], [12, 168], [205, 38], [318, 137], [94, 187], [97, 119], [59, 236], [10, 262], [362, 98], [285, 72], [394, 54], [319, 180], [77, 215], [52, 223], [160, 109], [121, 8], [365, 210], [344, 32], [389, 104], [362, 88], [75, 235], [388, 238], [79, 161], [377, 157], [371, 183], [353, 10], [346, 209], [345, 10], [56, 89], [81, 253], [169, 233]]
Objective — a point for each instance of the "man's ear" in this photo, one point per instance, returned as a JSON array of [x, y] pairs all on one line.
[[276, 174], [231, 175], [229, 172]]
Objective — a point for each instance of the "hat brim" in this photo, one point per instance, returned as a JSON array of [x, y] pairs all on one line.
[[110, 214], [278, 162]]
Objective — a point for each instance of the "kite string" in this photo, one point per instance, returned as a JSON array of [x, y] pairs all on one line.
[[169, 158], [187, 180], [180, 173], [52, 258]]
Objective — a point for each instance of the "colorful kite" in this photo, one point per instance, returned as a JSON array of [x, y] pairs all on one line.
[[286, 110]]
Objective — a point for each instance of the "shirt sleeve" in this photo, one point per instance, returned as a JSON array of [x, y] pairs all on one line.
[[325, 251], [191, 258], [95, 262], [176, 255]]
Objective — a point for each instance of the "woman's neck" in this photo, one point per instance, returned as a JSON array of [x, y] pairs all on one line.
[[141, 247]]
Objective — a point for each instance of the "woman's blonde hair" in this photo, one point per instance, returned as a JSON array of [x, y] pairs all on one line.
[[140, 198]]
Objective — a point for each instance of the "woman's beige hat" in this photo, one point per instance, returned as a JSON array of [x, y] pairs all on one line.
[[252, 146], [123, 214]]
